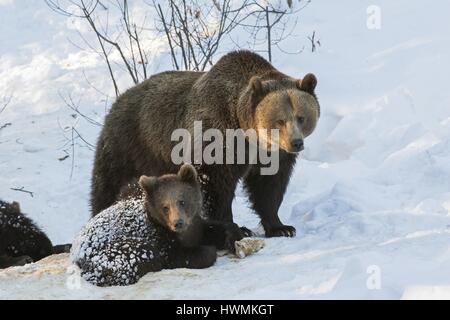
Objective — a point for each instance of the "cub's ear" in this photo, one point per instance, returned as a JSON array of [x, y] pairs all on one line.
[[257, 90], [308, 83], [15, 206], [188, 174], [148, 184]]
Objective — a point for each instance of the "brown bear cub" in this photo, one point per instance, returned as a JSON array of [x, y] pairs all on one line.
[[157, 224], [241, 91], [21, 241]]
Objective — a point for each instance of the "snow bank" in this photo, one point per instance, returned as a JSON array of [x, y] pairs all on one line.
[[427, 293]]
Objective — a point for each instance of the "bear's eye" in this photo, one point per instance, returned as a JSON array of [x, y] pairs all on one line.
[[166, 209], [181, 203], [301, 120], [280, 123]]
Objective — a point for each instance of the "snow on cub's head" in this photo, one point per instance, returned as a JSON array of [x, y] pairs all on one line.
[[173, 200]]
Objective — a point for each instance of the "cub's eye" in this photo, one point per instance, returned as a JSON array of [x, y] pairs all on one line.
[[166, 209], [301, 120], [280, 123], [181, 203]]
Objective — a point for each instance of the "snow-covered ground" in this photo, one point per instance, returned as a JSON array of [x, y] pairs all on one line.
[[370, 197]]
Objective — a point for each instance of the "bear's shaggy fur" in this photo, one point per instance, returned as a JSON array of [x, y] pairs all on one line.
[[21, 241], [241, 91], [158, 225]]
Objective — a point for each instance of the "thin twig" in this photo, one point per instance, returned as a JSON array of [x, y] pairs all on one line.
[[22, 189], [74, 107], [6, 102], [5, 125]]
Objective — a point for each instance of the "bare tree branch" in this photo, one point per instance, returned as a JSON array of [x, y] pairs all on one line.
[[271, 19], [5, 103], [74, 107], [195, 29], [22, 189], [314, 41], [126, 42]]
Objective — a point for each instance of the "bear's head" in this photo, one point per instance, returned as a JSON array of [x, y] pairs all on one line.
[[285, 104], [173, 200]]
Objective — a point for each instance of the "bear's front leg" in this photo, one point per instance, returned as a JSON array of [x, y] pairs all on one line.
[[218, 184], [193, 258], [222, 235], [266, 193]]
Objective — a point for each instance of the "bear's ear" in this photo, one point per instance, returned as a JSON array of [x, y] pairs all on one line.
[[308, 83], [257, 90], [148, 184], [15, 207], [188, 174]]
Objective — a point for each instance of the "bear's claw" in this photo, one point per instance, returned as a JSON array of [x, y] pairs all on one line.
[[232, 234], [280, 231], [247, 232]]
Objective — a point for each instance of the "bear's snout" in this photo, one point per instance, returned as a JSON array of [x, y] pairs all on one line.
[[179, 224], [297, 145]]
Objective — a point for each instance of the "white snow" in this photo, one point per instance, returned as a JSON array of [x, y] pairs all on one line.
[[370, 197]]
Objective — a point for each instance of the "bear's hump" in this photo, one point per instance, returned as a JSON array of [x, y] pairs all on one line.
[[242, 59]]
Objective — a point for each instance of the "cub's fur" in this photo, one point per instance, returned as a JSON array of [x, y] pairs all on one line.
[[21, 241], [157, 225]]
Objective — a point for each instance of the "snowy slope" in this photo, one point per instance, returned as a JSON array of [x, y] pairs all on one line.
[[371, 191]]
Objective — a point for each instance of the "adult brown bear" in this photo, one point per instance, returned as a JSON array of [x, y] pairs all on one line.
[[241, 91]]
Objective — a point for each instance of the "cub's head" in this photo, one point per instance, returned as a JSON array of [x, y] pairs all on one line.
[[173, 200], [285, 104]]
